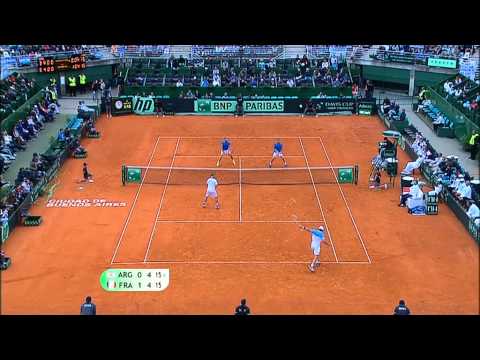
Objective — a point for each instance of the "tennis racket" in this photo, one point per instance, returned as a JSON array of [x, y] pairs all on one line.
[[295, 220]]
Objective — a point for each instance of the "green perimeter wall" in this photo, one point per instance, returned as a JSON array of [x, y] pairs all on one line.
[[402, 76]]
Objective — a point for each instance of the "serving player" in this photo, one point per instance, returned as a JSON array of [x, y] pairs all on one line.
[[277, 153], [225, 150], [211, 191], [318, 237]]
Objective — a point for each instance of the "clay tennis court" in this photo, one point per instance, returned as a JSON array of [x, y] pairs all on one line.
[[250, 248]]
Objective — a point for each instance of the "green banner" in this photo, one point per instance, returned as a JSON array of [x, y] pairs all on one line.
[[134, 175], [229, 106], [445, 63], [143, 105], [345, 176]]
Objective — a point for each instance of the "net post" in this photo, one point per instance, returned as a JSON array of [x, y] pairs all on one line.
[[356, 174], [123, 174]]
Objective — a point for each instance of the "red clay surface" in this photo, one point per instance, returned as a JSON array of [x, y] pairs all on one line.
[[430, 261]]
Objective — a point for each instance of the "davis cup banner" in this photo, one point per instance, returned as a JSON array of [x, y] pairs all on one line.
[[229, 106]]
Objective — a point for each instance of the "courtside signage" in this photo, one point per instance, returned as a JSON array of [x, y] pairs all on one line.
[[122, 105], [445, 63], [229, 106], [143, 105]]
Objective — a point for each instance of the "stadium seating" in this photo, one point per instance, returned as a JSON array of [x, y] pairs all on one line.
[[470, 92], [234, 73], [14, 91]]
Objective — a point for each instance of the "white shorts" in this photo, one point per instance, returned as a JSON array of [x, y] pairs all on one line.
[[212, 194], [277, 154], [316, 250], [226, 152]]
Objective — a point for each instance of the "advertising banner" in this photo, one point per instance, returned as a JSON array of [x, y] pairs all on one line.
[[122, 105], [229, 106]]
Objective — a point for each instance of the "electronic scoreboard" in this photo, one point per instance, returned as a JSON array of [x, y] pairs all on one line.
[[50, 64]]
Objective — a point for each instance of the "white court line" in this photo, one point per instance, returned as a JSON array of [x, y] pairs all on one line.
[[238, 222], [134, 203], [238, 137], [253, 262], [318, 200], [345, 201], [238, 156], [161, 202], [240, 182]]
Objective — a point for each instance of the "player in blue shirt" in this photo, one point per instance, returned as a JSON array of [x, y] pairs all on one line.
[[225, 150], [277, 153], [318, 238]]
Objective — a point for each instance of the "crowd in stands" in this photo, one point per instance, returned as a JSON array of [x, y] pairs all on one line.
[[39, 50], [224, 72], [464, 94], [235, 50], [437, 50], [447, 176], [23, 131], [14, 91]]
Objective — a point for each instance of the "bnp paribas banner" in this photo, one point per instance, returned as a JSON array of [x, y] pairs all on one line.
[[143, 105], [260, 106]]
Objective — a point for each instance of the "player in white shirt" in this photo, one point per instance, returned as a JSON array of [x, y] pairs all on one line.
[[318, 237], [212, 184]]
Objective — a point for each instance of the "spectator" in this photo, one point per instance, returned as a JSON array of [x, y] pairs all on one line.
[[401, 309], [61, 136], [204, 82], [463, 192], [88, 308], [474, 142], [242, 309], [473, 210], [440, 121], [5, 261], [179, 83]]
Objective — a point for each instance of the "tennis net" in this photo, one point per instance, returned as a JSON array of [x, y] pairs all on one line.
[[248, 176]]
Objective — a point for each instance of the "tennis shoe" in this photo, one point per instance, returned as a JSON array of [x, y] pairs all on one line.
[[311, 268], [218, 163], [233, 162], [204, 204], [270, 165], [217, 206]]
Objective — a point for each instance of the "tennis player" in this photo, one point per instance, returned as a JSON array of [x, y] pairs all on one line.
[[277, 153], [226, 149], [86, 174], [318, 237], [211, 191]]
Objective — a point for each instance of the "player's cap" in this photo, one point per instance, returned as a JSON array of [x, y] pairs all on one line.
[[321, 228]]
